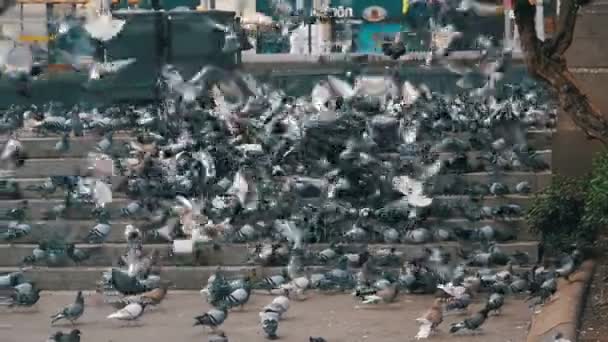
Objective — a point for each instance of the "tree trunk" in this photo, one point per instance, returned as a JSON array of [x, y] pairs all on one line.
[[545, 60]]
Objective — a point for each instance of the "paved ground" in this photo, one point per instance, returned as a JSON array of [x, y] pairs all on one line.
[[333, 317], [594, 327]]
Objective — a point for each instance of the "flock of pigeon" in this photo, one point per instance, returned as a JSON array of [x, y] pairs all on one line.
[[356, 162], [350, 165]]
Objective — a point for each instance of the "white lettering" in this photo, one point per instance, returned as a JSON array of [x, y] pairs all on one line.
[[336, 12]]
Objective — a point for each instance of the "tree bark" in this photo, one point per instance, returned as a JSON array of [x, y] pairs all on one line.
[[545, 60]]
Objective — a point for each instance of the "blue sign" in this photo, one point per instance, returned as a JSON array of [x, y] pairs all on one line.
[[372, 36]]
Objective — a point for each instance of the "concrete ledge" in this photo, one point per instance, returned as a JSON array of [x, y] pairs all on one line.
[[564, 312], [86, 278], [77, 230], [39, 207], [181, 278], [45, 167], [537, 181], [234, 254]]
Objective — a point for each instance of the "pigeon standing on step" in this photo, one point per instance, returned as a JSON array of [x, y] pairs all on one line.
[[21, 295], [99, 233], [13, 154], [213, 318], [71, 312]]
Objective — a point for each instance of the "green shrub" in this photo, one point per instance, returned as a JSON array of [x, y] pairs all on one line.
[[557, 213], [596, 199]]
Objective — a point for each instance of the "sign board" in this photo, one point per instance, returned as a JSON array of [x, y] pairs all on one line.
[[371, 37], [339, 12]]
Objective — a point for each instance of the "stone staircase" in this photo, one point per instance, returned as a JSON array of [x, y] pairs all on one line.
[[191, 272]]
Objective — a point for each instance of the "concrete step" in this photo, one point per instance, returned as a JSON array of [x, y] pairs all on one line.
[[181, 278], [86, 278], [40, 168], [44, 147], [231, 254], [537, 181], [475, 164], [523, 201], [77, 230], [39, 207]]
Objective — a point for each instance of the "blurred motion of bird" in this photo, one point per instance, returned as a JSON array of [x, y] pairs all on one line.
[[471, 324], [59, 336], [430, 320]]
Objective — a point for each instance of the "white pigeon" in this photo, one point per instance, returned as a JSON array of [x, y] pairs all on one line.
[[191, 89], [297, 287], [341, 87], [130, 232], [279, 304], [99, 69], [256, 20], [431, 170], [240, 187], [130, 312], [99, 21], [481, 9], [409, 93], [291, 232], [166, 232], [412, 190], [321, 94], [12, 147], [380, 86], [425, 330], [453, 291], [189, 212], [102, 193]]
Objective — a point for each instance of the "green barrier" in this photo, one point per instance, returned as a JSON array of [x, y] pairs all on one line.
[[153, 39]]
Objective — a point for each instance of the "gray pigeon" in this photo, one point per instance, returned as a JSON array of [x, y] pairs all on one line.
[[212, 318], [495, 303], [270, 324], [71, 312], [472, 323], [218, 336], [73, 336]]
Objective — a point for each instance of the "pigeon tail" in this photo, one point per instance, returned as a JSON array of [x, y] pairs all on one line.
[[425, 329]]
